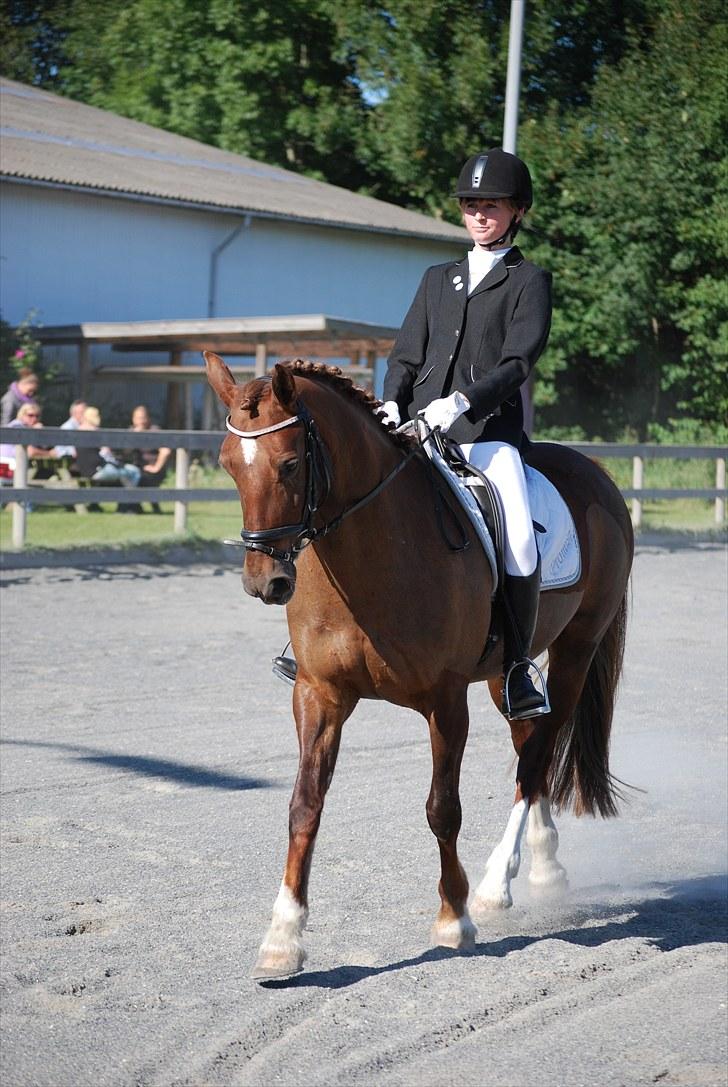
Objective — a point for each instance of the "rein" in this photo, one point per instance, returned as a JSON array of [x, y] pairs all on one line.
[[318, 485]]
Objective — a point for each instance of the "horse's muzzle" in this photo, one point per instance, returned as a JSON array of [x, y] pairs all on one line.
[[273, 586]]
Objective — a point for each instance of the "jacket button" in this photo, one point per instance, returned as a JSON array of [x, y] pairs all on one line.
[[450, 359], [457, 331]]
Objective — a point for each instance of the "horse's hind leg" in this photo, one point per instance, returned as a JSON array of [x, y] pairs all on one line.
[[531, 810], [570, 658], [448, 722], [494, 890], [320, 713], [547, 878]]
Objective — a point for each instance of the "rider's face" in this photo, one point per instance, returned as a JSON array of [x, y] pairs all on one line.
[[486, 220]]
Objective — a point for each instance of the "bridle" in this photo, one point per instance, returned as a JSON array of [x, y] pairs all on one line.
[[318, 486]]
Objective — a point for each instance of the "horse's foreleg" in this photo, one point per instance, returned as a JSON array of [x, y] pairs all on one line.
[[320, 713], [547, 878], [448, 723]]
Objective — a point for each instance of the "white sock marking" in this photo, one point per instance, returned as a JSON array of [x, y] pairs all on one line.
[[546, 874], [494, 890]]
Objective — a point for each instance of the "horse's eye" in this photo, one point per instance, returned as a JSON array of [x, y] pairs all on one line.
[[288, 468]]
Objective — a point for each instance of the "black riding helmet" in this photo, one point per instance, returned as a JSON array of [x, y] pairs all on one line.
[[496, 175]]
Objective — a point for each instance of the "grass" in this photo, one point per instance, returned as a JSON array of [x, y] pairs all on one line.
[[53, 527]]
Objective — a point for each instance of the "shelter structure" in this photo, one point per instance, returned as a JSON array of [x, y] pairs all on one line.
[[259, 338]]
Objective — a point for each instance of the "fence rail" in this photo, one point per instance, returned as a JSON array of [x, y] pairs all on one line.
[[185, 441]]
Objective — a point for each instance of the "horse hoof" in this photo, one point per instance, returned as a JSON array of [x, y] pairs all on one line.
[[490, 901], [549, 886], [277, 964], [458, 935]]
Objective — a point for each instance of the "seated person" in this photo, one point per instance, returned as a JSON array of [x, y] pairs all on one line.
[[153, 463], [29, 416], [98, 464], [90, 460], [73, 422]]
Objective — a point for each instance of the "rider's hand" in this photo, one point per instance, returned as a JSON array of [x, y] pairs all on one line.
[[443, 413], [389, 413]]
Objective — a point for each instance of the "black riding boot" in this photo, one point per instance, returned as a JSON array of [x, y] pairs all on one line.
[[285, 668], [521, 699]]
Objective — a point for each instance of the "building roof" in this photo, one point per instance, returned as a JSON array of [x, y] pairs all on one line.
[[52, 140]]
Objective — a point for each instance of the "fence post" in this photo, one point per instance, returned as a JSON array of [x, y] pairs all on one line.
[[261, 359], [638, 469], [20, 513], [181, 478], [719, 486]]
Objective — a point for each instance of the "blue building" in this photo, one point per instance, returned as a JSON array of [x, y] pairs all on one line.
[[108, 219]]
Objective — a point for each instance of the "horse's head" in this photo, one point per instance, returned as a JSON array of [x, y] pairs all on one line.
[[265, 453]]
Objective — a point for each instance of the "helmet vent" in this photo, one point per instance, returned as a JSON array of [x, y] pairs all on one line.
[[478, 170]]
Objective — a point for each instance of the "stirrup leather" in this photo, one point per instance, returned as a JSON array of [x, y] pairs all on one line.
[[538, 711]]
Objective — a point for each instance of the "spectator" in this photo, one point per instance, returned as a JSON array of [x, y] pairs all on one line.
[[98, 464], [20, 392], [73, 422], [29, 416], [152, 462], [89, 459]]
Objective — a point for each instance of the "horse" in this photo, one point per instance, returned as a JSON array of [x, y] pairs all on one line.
[[348, 525]]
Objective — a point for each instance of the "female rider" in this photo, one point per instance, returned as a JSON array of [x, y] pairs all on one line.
[[469, 341]]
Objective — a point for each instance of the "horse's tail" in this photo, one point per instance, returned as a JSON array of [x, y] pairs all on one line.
[[579, 775]]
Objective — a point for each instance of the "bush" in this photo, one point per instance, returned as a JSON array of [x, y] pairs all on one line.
[[19, 350]]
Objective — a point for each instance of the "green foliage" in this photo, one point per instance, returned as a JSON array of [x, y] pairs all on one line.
[[20, 349], [259, 80], [635, 230]]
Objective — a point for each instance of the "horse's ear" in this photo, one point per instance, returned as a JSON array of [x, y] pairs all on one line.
[[219, 377], [283, 385]]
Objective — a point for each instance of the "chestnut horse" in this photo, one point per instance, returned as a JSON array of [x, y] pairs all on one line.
[[380, 605]]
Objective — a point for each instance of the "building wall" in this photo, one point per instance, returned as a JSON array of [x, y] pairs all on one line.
[[76, 257], [79, 257]]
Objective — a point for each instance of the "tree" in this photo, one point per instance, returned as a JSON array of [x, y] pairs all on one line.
[[634, 186], [433, 74], [260, 80], [31, 40]]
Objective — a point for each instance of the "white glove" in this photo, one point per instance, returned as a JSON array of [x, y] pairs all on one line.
[[389, 413], [445, 412]]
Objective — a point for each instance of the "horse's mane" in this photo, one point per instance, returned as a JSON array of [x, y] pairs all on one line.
[[337, 379]]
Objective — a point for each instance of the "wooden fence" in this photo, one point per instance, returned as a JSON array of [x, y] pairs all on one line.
[[186, 441]]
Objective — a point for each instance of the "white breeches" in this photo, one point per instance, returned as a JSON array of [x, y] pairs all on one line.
[[501, 463]]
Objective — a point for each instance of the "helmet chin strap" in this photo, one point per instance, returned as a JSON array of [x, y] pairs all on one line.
[[511, 232]]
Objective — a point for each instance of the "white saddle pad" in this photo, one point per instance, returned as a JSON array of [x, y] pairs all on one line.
[[558, 546]]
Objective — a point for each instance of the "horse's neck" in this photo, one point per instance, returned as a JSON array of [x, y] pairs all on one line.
[[361, 454]]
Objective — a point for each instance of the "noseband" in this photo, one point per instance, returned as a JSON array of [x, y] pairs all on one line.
[[318, 485]]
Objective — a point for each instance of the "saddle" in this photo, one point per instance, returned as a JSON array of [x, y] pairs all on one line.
[[556, 536]]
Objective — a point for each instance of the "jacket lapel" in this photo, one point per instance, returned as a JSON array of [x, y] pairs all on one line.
[[457, 277]]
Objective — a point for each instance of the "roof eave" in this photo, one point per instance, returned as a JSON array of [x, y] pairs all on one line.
[[225, 209]]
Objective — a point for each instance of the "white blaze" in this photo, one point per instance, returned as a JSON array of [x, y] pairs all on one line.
[[249, 448]]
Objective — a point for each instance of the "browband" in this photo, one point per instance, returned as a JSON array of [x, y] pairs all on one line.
[[265, 430]]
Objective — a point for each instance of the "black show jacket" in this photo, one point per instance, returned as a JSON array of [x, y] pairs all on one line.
[[484, 345]]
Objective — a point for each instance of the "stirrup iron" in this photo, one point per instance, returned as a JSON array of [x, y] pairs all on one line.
[[538, 711]]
